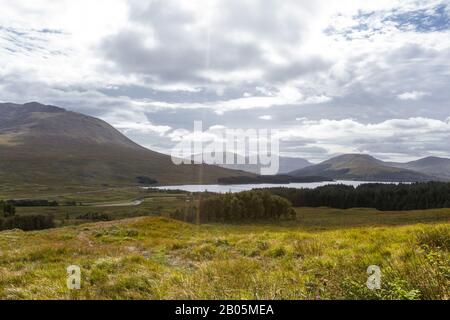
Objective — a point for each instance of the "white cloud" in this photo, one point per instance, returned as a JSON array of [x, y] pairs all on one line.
[[141, 127], [54, 42], [413, 95], [320, 62], [414, 137], [394, 139], [217, 127], [131, 121], [266, 117]]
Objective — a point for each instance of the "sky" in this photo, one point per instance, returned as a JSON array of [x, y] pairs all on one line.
[[331, 77]]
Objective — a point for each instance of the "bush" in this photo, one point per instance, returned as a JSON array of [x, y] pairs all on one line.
[[146, 180], [33, 203], [95, 216], [27, 223], [7, 209]]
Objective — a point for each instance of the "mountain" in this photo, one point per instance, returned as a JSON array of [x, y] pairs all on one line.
[[286, 164], [434, 166], [361, 167], [47, 145]]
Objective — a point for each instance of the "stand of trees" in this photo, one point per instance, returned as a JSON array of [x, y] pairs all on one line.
[[7, 209], [9, 220], [94, 216], [33, 203], [386, 197], [146, 180], [237, 207], [27, 223]]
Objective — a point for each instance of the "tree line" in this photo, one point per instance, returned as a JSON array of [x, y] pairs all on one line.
[[9, 219], [236, 207], [385, 197], [33, 203], [7, 209]]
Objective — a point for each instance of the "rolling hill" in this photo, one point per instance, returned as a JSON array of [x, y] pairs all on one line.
[[286, 164], [289, 164], [361, 167], [434, 166], [47, 145]]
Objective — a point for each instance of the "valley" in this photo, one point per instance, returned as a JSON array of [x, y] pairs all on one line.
[[83, 181], [251, 153]]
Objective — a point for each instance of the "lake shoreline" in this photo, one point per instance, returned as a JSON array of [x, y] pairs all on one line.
[[222, 188]]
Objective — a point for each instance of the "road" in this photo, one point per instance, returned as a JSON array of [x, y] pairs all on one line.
[[133, 203]]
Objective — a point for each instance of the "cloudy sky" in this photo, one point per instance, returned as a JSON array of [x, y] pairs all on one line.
[[332, 76]]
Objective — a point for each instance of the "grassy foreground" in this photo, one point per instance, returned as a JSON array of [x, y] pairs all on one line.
[[322, 255]]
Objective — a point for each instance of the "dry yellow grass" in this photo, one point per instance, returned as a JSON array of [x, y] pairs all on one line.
[[158, 258]]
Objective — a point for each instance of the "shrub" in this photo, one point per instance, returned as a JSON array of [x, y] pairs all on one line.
[[7, 209], [146, 180], [27, 223], [95, 216], [33, 203]]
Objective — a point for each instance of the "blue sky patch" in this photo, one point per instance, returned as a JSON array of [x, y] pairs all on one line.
[[426, 20]]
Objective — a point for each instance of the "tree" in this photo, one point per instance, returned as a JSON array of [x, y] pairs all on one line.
[[7, 209]]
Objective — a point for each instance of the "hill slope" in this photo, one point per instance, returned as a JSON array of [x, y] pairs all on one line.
[[47, 145], [286, 164], [361, 167], [156, 258], [434, 166]]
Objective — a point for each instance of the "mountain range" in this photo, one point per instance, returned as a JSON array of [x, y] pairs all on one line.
[[47, 145], [367, 168], [433, 166], [286, 164]]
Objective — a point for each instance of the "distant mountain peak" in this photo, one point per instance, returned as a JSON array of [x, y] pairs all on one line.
[[434, 166], [433, 159], [362, 167], [356, 156], [286, 164], [352, 160]]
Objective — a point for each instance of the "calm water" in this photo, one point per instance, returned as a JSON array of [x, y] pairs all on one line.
[[219, 188]]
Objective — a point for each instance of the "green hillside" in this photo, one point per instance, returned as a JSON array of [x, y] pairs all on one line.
[[48, 146], [361, 167], [435, 166]]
